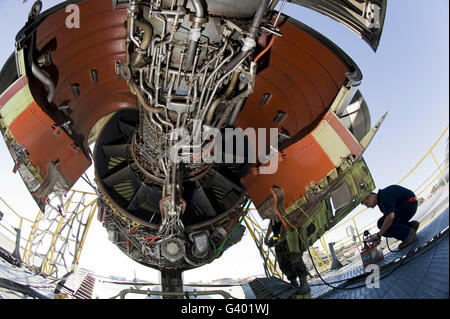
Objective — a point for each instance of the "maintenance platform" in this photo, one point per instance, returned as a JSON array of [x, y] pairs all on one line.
[[419, 271]]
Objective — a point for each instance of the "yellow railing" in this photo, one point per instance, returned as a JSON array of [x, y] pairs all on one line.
[[257, 234], [48, 235]]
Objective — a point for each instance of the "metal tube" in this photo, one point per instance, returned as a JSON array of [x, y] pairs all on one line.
[[220, 81], [192, 49], [206, 65], [279, 13], [146, 40], [257, 18], [232, 84], [132, 13], [41, 76], [212, 109], [227, 93], [198, 7], [237, 107], [236, 60], [179, 70], [163, 21], [273, 5], [135, 89], [168, 57], [154, 122], [236, 111], [164, 121], [141, 80], [210, 77]]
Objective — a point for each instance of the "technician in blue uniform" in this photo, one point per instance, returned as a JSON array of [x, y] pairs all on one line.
[[398, 205]]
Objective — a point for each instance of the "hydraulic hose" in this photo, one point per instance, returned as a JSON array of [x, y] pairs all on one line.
[[24, 289], [194, 33], [257, 18], [249, 41]]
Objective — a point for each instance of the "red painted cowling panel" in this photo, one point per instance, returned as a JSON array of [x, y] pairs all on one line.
[[303, 75], [96, 45]]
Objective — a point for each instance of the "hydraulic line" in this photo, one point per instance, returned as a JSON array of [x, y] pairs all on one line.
[[12, 285], [135, 89], [265, 49], [387, 245]]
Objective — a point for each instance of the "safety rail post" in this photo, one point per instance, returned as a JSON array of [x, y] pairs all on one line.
[[29, 244], [439, 167], [20, 223], [317, 260], [21, 218], [423, 158], [83, 238], [324, 245], [357, 232]]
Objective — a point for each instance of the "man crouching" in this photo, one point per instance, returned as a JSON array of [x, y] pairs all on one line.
[[398, 205]]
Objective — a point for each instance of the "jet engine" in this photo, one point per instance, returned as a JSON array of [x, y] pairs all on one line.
[[195, 109]]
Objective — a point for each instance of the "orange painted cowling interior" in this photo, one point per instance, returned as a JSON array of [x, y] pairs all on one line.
[[45, 142], [302, 75], [301, 163], [95, 46]]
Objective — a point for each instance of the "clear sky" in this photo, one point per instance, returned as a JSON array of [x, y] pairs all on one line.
[[408, 76]]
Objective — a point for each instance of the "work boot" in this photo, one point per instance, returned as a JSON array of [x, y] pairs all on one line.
[[410, 239], [304, 288], [414, 224], [294, 283]]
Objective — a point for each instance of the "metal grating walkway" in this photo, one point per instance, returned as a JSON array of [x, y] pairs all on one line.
[[424, 275]]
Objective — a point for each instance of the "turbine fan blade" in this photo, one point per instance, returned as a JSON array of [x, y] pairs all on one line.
[[201, 202], [224, 183], [126, 128], [118, 150], [118, 177], [141, 195]]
